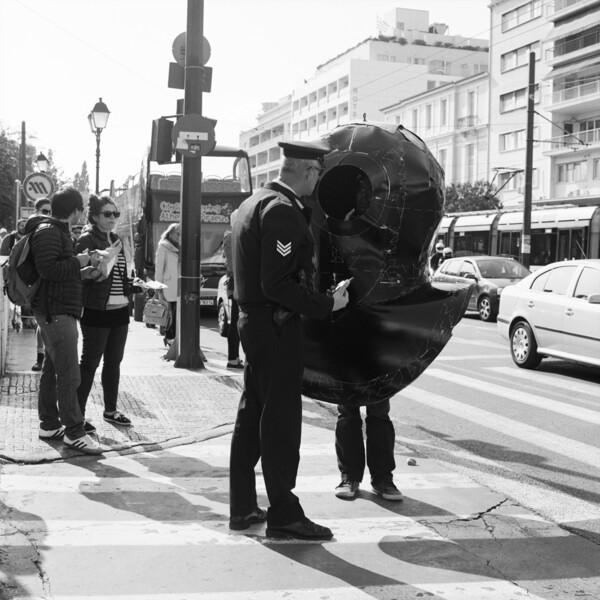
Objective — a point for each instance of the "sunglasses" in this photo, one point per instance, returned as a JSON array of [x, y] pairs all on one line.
[[108, 214], [45, 211]]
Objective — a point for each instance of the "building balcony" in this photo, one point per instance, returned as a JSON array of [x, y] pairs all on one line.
[[564, 8], [570, 143], [467, 121], [575, 47], [576, 100]]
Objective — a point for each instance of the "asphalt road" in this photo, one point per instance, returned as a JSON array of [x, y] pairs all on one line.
[[532, 435]]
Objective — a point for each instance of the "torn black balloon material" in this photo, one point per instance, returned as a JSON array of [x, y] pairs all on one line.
[[376, 210]]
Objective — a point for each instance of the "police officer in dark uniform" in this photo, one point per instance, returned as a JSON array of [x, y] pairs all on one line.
[[273, 252]]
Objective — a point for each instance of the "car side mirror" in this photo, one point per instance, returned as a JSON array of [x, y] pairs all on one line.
[[470, 276], [594, 299]]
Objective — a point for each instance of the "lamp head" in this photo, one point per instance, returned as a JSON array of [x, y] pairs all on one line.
[[42, 162], [98, 118]]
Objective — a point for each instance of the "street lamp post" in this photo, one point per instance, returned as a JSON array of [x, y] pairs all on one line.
[[98, 119]]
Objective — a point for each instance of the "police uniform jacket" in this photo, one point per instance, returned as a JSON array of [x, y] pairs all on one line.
[[273, 252]]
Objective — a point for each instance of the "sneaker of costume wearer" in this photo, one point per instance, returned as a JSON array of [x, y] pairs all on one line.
[[387, 490], [84, 444], [347, 489]]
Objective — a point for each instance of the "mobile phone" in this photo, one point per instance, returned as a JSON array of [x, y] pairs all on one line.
[[343, 285]]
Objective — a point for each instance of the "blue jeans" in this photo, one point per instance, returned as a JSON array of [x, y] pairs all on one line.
[[57, 395]]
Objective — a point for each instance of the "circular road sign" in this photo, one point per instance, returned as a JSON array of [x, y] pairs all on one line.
[[179, 49], [38, 185], [194, 136]]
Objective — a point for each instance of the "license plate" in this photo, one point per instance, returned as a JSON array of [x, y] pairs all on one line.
[[207, 302]]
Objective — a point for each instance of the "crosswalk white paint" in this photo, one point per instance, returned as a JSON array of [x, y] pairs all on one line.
[[547, 440], [562, 408], [577, 387]]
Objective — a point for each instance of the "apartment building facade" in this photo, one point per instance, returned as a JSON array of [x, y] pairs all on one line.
[[412, 58], [453, 121], [573, 100]]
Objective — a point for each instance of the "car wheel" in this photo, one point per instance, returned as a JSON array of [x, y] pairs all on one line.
[[523, 347], [222, 320], [484, 307]]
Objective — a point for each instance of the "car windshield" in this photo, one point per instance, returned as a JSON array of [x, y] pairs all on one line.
[[501, 269]]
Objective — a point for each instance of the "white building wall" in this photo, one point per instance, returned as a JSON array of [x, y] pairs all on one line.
[[516, 27]]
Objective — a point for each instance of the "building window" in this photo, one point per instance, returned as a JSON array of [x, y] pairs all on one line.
[[519, 57], [430, 84], [573, 171], [429, 116], [471, 104], [513, 140], [469, 162], [516, 182], [522, 14], [444, 112], [517, 99], [597, 168], [415, 119], [442, 158], [383, 57]]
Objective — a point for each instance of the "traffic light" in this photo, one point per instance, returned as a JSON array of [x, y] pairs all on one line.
[[161, 147]]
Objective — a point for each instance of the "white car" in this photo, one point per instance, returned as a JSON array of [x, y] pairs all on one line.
[[555, 312]]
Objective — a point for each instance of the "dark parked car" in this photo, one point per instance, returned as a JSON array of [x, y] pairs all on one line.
[[491, 274]]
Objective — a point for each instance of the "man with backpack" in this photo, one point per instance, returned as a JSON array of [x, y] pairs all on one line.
[[10, 239], [57, 305]]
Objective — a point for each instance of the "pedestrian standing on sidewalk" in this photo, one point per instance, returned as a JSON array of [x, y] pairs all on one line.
[[350, 450], [273, 252], [105, 320], [233, 336], [42, 207], [57, 306], [167, 272]]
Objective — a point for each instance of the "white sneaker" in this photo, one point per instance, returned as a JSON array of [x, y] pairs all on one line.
[[347, 489], [85, 444], [51, 434]]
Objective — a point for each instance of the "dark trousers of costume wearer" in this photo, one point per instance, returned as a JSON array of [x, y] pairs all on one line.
[[98, 342], [269, 418], [349, 445], [233, 335], [59, 380]]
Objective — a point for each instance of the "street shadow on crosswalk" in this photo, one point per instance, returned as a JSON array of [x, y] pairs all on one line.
[[505, 457]]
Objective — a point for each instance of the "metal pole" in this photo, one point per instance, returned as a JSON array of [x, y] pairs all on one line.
[[189, 355], [527, 201], [17, 202], [98, 133], [23, 152]]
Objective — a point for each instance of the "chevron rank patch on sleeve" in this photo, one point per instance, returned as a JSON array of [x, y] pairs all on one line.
[[284, 249]]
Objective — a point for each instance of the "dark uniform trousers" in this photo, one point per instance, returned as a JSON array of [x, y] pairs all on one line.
[[349, 445], [269, 418]]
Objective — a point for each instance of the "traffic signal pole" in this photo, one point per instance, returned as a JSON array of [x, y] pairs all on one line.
[[189, 355], [527, 201]]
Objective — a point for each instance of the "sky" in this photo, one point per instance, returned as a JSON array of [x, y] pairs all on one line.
[[58, 57]]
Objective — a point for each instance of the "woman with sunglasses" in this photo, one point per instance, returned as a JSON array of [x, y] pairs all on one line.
[[105, 319]]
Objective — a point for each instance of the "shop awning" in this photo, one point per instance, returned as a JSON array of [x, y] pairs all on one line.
[[572, 27], [573, 67]]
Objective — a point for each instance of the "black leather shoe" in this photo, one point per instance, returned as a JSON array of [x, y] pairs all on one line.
[[258, 515], [304, 529]]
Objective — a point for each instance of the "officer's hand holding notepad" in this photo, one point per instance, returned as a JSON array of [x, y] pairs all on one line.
[[340, 294]]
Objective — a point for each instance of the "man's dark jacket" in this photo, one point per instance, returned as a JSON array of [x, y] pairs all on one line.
[[57, 266]]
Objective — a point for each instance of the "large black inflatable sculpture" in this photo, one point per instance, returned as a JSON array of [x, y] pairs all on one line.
[[376, 210]]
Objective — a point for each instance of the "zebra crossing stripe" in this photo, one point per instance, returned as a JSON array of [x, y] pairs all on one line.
[[547, 440], [580, 387], [562, 408]]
